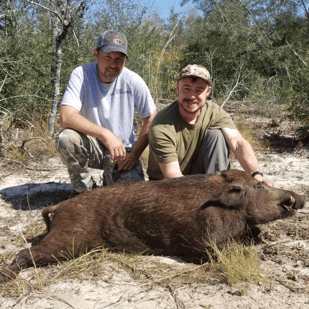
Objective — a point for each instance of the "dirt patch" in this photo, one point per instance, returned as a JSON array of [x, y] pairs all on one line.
[[105, 280]]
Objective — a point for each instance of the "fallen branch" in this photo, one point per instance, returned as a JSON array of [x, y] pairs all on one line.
[[58, 298], [178, 274], [29, 139], [30, 168], [288, 286], [178, 302]]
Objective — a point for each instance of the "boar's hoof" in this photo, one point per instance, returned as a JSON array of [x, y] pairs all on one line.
[[6, 275]]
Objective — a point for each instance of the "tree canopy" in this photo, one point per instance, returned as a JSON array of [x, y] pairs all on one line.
[[257, 50]]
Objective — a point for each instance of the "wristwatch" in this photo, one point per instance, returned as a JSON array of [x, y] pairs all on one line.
[[257, 173]]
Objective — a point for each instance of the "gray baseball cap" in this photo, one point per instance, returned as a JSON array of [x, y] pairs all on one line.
[[112, 40], [196, 70]]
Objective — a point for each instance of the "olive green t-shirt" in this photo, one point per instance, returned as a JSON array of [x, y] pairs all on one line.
[[173, 139]]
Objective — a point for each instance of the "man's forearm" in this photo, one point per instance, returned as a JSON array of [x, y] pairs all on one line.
[[142, 140], [81, 124], [171, 170], [70, 118], [246, 157]]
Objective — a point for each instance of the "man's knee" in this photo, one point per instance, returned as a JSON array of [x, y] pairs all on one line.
[[213, 155], [66, 139], [215, 135]]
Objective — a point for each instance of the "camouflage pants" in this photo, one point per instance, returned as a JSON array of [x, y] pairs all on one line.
[[80, 152]]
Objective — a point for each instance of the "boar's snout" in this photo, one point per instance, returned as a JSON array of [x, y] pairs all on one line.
[[293, 202], [300, 203]]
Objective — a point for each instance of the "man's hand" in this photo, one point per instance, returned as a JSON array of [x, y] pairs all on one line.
[[132, 157], [128, 163], [115, 147], [262, 180], [70, 118]]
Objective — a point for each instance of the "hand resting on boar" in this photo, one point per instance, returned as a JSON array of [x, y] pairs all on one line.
[[177, 217]]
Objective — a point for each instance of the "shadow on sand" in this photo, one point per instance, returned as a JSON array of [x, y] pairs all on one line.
[[36, 196]]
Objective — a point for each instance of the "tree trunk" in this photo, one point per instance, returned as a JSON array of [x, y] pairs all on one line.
[[63, 22], [58, 54]]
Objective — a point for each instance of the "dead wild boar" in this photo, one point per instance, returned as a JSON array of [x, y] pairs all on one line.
[[177, 217]]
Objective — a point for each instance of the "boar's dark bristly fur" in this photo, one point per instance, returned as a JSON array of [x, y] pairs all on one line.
[[177, 217]]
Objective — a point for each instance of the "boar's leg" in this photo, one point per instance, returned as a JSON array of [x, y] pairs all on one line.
[[48, 251], [7, 274], [39, 256]]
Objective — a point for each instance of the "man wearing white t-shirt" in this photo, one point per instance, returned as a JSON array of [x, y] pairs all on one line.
[[97, 114]]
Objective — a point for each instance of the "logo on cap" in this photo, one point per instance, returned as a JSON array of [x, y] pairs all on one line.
[[116, 39], [111, 41]]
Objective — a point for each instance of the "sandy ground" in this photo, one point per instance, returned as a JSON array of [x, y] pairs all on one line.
[[284, 252]]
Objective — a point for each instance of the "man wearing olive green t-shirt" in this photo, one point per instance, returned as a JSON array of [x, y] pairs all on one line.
[[194, 135]]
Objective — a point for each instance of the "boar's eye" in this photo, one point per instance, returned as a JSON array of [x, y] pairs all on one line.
[[259, 186]]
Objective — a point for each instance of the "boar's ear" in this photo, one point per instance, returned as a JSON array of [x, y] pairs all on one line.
[[230, 196]]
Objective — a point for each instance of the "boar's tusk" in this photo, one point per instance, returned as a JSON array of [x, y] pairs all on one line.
[[289, 204], [286, 207]]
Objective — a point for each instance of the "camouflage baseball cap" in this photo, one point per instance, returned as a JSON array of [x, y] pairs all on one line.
[[196, 70], [112, 40]]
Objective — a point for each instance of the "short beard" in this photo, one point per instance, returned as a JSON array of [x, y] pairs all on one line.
[[111, 78], [186, 110]]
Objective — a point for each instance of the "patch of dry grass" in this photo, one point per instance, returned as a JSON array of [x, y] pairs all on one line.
[[30, 144], [34, 230], [236, 263]]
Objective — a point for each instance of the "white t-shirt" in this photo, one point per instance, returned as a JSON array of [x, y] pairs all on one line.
[[109, 105]]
